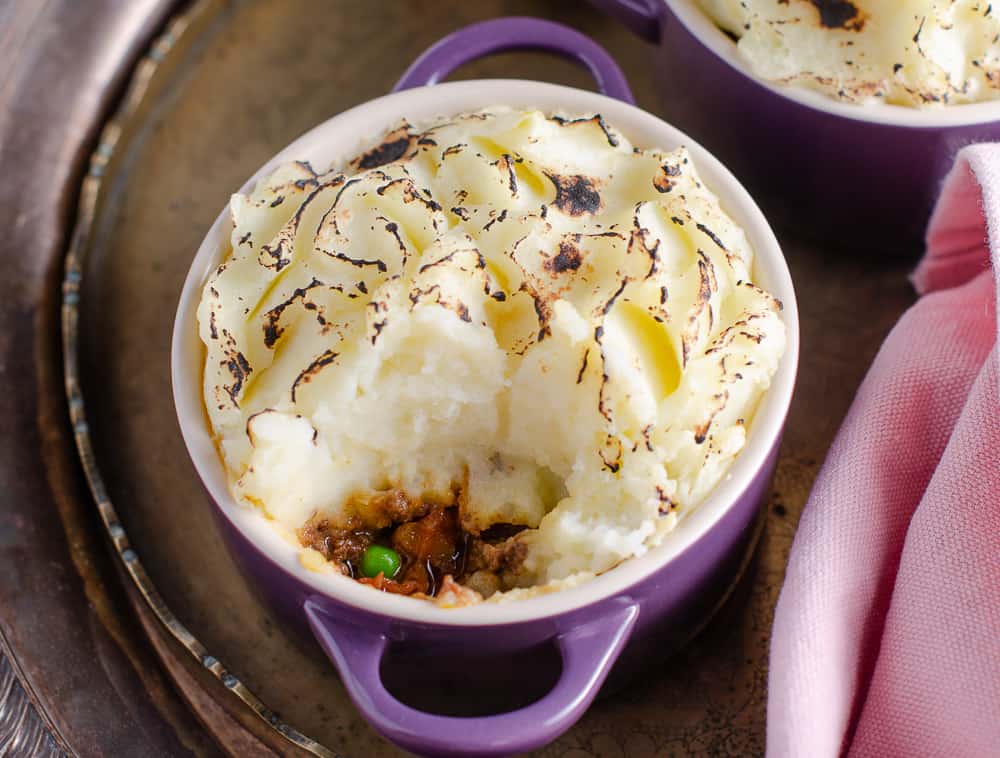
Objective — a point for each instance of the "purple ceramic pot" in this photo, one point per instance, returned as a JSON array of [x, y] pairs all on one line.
[[615, 620], [860, 176]]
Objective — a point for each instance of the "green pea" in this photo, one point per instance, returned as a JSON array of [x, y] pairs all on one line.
[[380, 560]]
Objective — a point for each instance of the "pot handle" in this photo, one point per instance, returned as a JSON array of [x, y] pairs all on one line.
[[588, 651], [516, 33], [641, 16]]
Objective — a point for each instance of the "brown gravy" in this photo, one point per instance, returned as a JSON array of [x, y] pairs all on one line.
[[430, 541]]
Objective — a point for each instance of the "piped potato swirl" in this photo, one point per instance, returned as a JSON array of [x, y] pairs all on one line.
[[513, 314], [917, 53]]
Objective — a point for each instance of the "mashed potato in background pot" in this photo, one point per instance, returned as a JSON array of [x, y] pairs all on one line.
[[906, 52], [491, 357]]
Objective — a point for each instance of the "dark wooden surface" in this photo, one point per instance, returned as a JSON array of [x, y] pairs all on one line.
[[97, 663]]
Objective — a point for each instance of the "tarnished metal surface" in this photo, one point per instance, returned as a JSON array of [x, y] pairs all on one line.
[[217, 101], [23, 734]]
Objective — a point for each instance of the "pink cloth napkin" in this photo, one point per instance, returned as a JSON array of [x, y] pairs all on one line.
[[886, 638]]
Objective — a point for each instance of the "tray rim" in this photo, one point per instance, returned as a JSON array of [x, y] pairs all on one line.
[[63, 615], [92, 189]]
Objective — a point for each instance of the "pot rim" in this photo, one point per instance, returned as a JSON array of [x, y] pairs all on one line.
[[342, 136], [698, 24]]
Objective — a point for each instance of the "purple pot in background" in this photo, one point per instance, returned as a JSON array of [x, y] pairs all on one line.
[[624, 619], [860, 177]]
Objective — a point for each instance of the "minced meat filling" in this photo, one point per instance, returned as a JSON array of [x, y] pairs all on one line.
[[430, 541]]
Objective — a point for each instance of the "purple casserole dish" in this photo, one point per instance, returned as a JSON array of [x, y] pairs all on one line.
[[618, 619], [860, 176]]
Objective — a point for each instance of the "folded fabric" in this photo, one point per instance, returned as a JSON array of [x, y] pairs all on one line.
[[886, 638]]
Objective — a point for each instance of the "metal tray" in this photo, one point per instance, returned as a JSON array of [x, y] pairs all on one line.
[[222, 89]]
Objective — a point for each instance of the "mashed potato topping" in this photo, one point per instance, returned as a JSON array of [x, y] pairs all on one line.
[[516, 316], [907, 52]]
